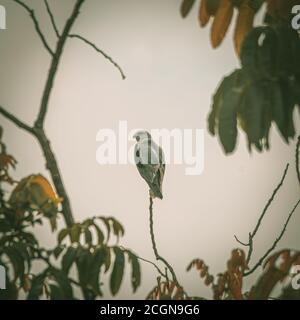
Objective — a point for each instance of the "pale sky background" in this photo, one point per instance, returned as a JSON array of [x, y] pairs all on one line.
[[172, 73]]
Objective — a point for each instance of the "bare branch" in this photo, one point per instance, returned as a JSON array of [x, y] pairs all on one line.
[[157, 256], [253, 233], [152, 263], [100, 51], [36, 25], [240, 242], [55, 62], [15, 120], [52, 166], [297, 159], [51, 18], [261, 260], [270, 201]]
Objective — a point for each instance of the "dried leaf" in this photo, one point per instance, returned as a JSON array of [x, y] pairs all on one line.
[[203, 15], [221, 22], [243, 25]]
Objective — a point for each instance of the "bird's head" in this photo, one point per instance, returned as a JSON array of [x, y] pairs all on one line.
[[142, 135]]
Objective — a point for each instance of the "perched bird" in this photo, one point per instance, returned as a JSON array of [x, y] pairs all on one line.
[[150, 161]]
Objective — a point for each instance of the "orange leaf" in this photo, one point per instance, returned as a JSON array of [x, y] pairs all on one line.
[[203, 16], [47, 188], [244, 25], [221, 22]]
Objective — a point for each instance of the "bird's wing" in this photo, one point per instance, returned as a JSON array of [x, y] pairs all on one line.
[[150, 162], [147, 170]]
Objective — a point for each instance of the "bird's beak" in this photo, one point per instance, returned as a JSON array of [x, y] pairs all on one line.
[[136, 136]]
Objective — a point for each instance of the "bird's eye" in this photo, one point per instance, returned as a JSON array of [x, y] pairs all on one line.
[[137, 138]]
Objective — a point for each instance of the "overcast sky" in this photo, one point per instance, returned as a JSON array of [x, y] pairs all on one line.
[[172, 73]]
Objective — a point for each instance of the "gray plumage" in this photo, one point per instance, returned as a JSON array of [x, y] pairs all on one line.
[[150, 161]]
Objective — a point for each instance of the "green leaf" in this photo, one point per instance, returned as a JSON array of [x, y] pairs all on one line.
[[267, 116], [289, 103], [29, 238], [68, 259], [16, 260], [87, 223], [135, 271], [186, 7], [107, 262], [5, 226], [217, 104], [107, 225], [100, 234], [88, 236], [259, 54], [58, 250], [118, 271], [278, 108], [23, 252], [295, 52], [231, 97], [118, 229], [37, 285], [84, 261], [63, 283], [62, 234], [75, 233], [267, 54], [252, 111], [98, 261], [249, 52], [288, 51], [56, 293]]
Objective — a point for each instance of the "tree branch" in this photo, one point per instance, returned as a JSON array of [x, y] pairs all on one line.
[[270, 201], [157, 256], [253, 233], [54, 64], [15, 120], [38, 129], [52, 18], [36, 25], [52, 166], [297, 159], [152, 263], [261, 260], [100, 51]]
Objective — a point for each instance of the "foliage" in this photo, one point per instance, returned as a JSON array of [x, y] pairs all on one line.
[[166, 290], [229, 285], [266, 89], [91, 246], [263, 91]]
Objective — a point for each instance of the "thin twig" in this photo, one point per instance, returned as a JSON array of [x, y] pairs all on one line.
[[15, 120], [54, 64], [106, 56], [297, 159], [145, 260], [52, 18], [153, 264], [261, 260], [36, 25], [253, 233], [240, 242], [157, 256], [270, 202]]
